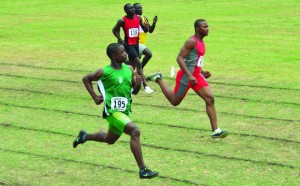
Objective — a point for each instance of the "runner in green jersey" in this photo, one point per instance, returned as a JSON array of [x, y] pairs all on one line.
[[115, 87], [116, 83]]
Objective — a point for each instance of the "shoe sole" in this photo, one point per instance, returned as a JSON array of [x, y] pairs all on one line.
[[75, 141], [153, 176], [149, 78], [149, 92], [224, 135]]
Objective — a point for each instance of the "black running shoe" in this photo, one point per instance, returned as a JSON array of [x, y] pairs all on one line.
[[154, 77], [146, 173], [79, 139]]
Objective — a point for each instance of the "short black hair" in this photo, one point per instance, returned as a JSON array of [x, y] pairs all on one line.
[[136, 4], [112, 49], [198, 22], [125, 6]]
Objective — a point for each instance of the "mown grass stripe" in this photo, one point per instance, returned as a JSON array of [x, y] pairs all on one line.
[[167, 148], [186, 109], [223, 157], [37, 78], [168, 78], [218, 96], [225, 113], [93, 164], [160, 124]]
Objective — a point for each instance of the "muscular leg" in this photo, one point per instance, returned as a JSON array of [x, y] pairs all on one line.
[[108, 137], [137, 64], [169, 94], [147, 57], [206, 95], [134, 132]]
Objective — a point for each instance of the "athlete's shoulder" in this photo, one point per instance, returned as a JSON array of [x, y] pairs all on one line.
[[191, 41], [128, 67]]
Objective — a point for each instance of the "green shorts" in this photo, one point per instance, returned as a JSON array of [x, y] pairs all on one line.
[[117, 122]]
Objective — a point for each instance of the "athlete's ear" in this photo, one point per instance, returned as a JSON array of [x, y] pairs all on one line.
[[113, 56]]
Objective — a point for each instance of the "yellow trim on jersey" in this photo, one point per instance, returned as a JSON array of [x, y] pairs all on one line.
[[143, 35]]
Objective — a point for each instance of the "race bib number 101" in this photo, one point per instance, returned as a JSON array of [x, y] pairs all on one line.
[[133, 32], [200, 61], [119, 103]]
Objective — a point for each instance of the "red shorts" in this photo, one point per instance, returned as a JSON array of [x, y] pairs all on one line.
[[182, 85]]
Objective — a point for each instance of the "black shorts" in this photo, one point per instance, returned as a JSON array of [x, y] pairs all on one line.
[[132, 51]]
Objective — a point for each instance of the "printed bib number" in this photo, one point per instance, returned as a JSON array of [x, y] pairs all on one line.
[[119, 103], [133, 32], [200, 61]]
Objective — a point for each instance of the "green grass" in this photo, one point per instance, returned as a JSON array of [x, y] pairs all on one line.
[[252, 52]]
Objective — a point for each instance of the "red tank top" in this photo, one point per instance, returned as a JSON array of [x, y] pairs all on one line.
[[194, 60], [131, 30]]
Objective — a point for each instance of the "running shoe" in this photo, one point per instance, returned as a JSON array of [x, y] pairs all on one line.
[[221, 134], [154, 77], [146, 173], [79, 139], [148, 90]]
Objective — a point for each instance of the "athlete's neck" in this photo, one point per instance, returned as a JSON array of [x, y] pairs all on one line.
[[130, 16], [199, 37], [116, 65]]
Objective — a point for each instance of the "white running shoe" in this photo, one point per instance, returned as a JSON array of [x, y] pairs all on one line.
[[148, 90]]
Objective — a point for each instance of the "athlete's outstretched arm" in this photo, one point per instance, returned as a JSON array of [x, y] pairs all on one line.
[[87, 81], [144, 27], [116, 31], [136, 81], [152, 27]]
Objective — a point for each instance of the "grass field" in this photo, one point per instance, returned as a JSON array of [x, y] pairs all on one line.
[[46, 47]]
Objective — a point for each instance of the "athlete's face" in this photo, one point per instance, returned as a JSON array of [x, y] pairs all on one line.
[[130, 9], [138, 9], [121, 55], [203, 28]]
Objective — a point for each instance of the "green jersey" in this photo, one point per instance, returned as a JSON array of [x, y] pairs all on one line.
[[116, 87]]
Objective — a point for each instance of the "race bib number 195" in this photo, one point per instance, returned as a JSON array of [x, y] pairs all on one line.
[[119, 103], [133, 32]]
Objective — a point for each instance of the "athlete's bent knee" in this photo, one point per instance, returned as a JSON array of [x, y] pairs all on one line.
[[149, 55], [135, 132], [175, 103], [210, 100], [110, 142]]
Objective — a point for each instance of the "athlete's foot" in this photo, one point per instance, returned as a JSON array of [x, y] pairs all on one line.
[[148, 90], [146, 173], [80, 138], [221, 134], [154, 77]]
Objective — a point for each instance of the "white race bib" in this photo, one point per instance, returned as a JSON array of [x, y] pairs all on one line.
[[133, 32], [200, 61], [119, 103]]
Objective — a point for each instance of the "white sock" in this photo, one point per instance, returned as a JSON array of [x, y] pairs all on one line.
[[217, 130]]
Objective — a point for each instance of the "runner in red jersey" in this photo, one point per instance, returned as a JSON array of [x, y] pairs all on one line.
[[131, 30], [130, 24], [191, 75]]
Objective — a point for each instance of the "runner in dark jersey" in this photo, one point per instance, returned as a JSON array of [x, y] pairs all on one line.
[[191, 75], [143, 50], [116, 83], [130, 24]]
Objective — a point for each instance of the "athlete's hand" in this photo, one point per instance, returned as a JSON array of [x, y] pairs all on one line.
[[147, 26], [206, 74], [98, 99], [122, 42], [138, 79], [155, 19], [192, 80]]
